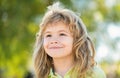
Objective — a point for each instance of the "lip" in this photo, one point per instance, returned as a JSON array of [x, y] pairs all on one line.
[[55, 47]]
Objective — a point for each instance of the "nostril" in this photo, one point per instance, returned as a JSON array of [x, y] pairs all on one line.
[[54, 42]]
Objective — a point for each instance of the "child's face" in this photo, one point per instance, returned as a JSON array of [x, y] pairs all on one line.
[[58, 40]]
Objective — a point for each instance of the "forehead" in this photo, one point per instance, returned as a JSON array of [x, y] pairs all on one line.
[[56, 26]]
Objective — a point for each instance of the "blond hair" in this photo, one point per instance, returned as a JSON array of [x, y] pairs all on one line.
[[83, 48]]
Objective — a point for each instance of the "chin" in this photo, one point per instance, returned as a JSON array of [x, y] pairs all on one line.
[[56, 56]]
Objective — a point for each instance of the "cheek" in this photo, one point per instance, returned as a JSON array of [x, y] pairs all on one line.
[[45, 43], [69, 43]]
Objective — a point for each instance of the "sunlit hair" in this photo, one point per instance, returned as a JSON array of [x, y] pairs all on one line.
[[82, 45]]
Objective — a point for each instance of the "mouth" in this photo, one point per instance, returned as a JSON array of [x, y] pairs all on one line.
[[55, 47]]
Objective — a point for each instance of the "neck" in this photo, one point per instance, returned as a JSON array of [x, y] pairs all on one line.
[[62, 65]]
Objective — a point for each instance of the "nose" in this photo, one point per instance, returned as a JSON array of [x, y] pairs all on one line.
[[54, 40]]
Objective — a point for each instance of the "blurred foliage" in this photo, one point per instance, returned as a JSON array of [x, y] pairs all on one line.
[[111, 69], [19, 21]]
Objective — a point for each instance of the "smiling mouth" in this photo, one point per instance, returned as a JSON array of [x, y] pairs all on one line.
[[55, 47]]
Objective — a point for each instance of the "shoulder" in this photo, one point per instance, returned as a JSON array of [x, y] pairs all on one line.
[[98, 72]]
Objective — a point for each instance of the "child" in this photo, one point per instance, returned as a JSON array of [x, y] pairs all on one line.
[[63, 48]]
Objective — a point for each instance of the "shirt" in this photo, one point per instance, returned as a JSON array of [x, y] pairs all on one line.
[[98, 73]]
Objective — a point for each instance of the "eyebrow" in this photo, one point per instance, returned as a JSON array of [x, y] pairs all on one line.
[[58, 31]]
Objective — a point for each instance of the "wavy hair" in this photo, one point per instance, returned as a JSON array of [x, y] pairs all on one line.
[[83, 48]]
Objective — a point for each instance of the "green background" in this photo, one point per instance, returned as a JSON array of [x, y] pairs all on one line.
[[19, 23]]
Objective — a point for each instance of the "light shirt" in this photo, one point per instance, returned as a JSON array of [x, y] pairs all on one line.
[[98, 73]]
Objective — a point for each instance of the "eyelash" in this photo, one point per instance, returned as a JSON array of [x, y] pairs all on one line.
[[48, 35], [61, 34]]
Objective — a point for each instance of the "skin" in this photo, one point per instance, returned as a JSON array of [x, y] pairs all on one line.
[[58, 42]]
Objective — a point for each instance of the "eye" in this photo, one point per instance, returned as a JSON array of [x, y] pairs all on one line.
[[48, 35], [62, 34]]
